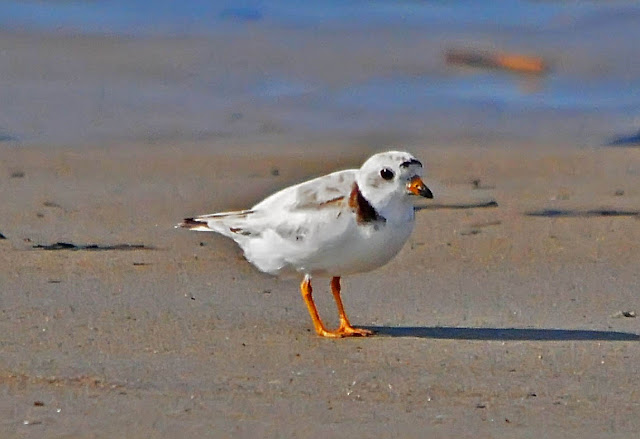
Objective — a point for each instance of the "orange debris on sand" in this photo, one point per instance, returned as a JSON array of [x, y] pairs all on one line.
[[507, 61]]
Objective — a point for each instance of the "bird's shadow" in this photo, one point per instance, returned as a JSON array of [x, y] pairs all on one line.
[[457, 333]]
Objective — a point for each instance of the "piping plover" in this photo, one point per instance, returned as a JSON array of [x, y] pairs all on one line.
[[342, 223]]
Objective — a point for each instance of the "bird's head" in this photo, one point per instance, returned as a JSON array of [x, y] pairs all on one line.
[[390, 176]]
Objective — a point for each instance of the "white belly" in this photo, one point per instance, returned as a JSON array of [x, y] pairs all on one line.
[[361, 249]]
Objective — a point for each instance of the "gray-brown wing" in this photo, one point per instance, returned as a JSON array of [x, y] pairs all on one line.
[[320, 192]]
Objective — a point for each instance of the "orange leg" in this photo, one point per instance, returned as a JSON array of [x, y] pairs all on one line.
[[305, 288], [345, 329]]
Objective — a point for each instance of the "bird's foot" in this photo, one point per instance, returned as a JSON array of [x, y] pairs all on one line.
[[350, 331], [345, 331]]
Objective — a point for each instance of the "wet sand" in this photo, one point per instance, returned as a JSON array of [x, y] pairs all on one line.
[[492, 322]]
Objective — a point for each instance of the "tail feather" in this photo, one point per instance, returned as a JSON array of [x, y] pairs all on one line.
[[189, 223], [194, 224], [236, 214], [209, 223]]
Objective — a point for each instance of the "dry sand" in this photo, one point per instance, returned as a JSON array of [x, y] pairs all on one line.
[[492, 322]]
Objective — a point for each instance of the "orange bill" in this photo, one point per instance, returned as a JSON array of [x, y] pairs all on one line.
[[417, 187]]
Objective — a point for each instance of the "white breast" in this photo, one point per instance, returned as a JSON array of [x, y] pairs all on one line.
[[366, 248]]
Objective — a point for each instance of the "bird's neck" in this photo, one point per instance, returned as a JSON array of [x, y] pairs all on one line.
[[389, 208], [364, 210]]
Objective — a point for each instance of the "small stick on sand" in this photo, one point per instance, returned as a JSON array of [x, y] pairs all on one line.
[[506, 61]]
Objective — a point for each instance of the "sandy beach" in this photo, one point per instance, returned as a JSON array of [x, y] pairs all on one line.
[[510, 313], [493, 322]]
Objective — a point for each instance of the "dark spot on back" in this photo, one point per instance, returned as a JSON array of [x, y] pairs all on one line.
[[335, 200], [239, 231]]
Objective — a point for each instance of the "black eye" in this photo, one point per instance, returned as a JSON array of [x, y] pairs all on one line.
[[386, 173]]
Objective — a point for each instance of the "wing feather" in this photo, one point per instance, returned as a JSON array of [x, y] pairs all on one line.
[[320, 192], [282, 221]]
